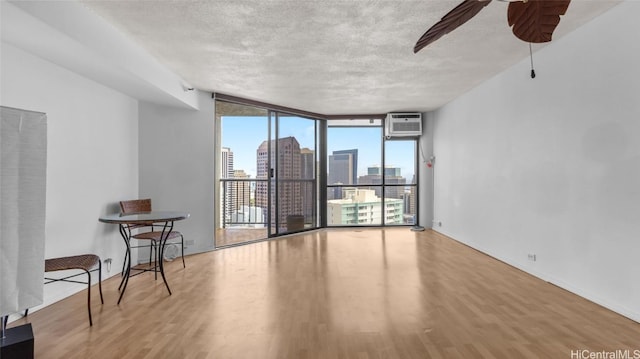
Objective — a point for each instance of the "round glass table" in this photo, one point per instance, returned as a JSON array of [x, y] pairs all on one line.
[[127, 222]]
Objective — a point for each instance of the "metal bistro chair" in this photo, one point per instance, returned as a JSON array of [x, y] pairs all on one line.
[[154, 236], [85, 262]]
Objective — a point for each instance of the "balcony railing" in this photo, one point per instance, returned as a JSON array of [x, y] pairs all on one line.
[[245, 203], [399, 205], [239, 201]]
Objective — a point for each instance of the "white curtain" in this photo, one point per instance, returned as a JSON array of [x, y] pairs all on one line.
[[23, 164]]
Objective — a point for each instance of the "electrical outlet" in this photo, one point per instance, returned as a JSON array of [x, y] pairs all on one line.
[[107, 263], [189, 242], [532, 257]]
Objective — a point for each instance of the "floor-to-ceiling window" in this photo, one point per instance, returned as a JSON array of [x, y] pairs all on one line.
[[293, 183], [370, 179], [280, 171], [400, 183], [354, 148], [241, 209], [266, 173]]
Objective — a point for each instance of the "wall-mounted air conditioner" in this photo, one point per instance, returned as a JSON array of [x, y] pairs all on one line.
[[407, 124]]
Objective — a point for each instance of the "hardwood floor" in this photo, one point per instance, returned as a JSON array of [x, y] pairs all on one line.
[[228, 236], [368, 293]]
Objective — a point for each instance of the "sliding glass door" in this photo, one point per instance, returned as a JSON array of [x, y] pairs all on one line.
[[293, 180], [266, 172]]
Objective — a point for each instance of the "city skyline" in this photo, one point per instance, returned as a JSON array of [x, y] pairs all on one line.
[[244, 134], [296, 192]]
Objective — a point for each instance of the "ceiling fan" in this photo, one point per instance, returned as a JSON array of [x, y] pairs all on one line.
[[532, 21]]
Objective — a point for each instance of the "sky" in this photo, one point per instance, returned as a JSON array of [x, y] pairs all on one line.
[[243, 135]]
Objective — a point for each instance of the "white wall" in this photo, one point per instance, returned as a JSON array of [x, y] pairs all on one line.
[[71, 35], [92, 156], [551, 166], [176, 166]]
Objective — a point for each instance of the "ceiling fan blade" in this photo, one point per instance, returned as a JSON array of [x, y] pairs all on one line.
[[535, 20], [452, 20]]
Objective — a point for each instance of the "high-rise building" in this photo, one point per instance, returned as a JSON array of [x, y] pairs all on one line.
[[393, 181], [226, 172], [288, 164], [342, 170], [263, 172], [343, 167], [412, 198], [227, 163], [309, 192], [408, 216], [362, 207], [307, 163], [389, 171], [240, 191]]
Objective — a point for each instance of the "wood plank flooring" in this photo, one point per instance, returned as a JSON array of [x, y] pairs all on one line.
[[371, 293], [228, 236]]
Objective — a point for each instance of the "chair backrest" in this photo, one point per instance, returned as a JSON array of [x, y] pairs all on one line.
[[136, 205]]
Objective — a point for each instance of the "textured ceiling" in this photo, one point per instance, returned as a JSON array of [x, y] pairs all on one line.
[[329, 57]]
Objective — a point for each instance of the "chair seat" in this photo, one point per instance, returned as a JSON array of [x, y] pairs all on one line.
[[156, 235], [144, 205], [84, 262]]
